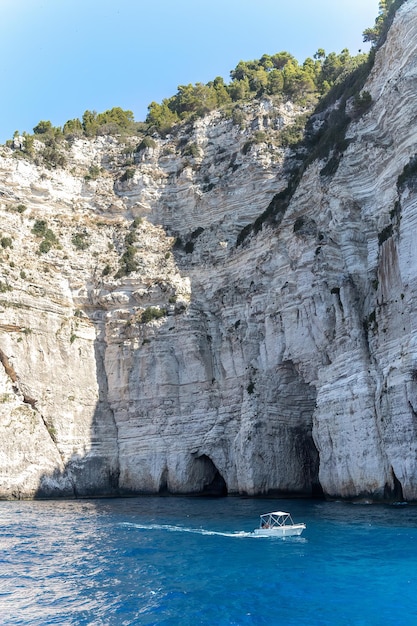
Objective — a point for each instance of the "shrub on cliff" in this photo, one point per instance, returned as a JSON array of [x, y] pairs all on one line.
[[80, 241], [49, 239], [94, 172], [152, 313], [408, 176], [53, 157], [39, 228], [51, 154], [362, 102], [6, 242], [45, 246], [147, 142], [191, 150], [127, 175], [127, 262]]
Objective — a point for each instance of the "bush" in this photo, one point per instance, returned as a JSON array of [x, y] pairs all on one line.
[[4, 287], [113, 122], [39, 228], [192, 150], [45, 246], [147, 142], [117, 118], [259, 136], [130, 238], [409, 174], [247, 146], [94, 172], [238, 118], [137, 222], [43, 127], [128, 174], [81, 241], [362, 102], [50, 236], [293, 134], [73, 128], [152, 313], [53, 157], [127, 262], [28, 148], [250, 388], [6, 242]]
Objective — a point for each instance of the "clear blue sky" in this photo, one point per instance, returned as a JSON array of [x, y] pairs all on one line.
[[61, 57]]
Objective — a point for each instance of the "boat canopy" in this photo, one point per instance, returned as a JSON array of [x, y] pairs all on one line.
[[276, 518], [276, 513]]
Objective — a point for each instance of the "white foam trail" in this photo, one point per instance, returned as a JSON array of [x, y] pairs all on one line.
[[183, 529], [202, 531]]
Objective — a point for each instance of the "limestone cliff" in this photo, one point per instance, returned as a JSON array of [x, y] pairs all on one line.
[[142, 350]]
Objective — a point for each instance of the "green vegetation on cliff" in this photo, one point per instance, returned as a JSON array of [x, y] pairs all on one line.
[[280, 75], [329, 142], [377, 33]]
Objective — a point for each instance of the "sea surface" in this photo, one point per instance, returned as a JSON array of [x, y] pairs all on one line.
[[189, 561]]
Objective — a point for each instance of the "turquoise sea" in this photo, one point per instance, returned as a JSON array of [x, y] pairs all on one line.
[[181, 561]]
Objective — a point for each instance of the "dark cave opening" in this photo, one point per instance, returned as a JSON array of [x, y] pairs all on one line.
[[163, 483], [396, 491], [207, 474]]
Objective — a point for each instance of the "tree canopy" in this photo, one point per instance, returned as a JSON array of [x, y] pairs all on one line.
[[279, 74], [387, 10]]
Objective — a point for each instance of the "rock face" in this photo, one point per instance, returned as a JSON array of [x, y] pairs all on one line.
[[143, 351]]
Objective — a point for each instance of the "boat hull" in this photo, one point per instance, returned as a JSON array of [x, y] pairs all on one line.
[[282, 531]]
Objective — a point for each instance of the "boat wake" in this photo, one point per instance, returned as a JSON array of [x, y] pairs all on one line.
[[184, 529], [202, 531]]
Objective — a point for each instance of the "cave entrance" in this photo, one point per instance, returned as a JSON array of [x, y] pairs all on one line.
[[208, 476]]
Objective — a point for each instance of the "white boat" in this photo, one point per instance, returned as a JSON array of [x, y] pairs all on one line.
[[278, 524]]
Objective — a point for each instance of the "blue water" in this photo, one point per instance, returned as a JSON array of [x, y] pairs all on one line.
[[189, 561]]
